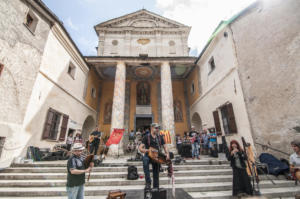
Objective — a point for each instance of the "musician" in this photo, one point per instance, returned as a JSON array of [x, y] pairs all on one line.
[[241, 182], [153, 139], [193, 135], [76, 173], [295, 159], [95, 140]]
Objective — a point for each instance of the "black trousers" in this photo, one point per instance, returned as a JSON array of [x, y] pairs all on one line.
[[155, 170], [94, 148]]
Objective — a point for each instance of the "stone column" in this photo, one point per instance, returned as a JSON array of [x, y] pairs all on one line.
[[117, 120], [167, 101]]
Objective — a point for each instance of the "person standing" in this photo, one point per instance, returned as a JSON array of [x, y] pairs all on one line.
[[156, 141], [295, 160], [241, 182], [205, 141], [69, 141], [76, 173], [213, 143], [78, 138], [194, 142], [95, 141]]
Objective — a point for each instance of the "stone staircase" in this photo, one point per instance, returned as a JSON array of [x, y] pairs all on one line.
[[205, 178]]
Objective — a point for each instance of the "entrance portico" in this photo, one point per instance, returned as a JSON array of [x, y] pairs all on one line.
[[151, 90]]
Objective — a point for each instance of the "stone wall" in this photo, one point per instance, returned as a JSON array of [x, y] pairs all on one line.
[[21, 53], [267, 41], [221, 86]]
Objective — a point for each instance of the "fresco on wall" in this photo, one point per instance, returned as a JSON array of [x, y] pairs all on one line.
[[143, 93], [177, 111], [108, 112]]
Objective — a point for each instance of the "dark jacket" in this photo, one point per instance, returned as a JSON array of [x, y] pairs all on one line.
[[242, 157]]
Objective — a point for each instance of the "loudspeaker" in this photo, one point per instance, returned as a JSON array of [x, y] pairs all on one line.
[[155, 194], [159, 194]]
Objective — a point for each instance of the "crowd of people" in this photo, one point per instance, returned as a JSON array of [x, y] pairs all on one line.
[[204, 142], [194, 143]]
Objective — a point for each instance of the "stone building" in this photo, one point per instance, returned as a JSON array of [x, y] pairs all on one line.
[[245, 81]]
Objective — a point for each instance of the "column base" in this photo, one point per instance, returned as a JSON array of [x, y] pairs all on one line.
[[115, 150]]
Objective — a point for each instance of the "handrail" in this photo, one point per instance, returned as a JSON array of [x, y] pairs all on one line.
[[268, 147]]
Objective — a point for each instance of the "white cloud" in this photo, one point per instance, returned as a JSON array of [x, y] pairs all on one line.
[[202, 15], [70, 24]]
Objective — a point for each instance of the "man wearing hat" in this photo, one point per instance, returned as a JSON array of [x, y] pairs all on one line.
[[76, 173], [153, 139]]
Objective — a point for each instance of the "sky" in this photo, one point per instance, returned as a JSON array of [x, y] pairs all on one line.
[[80, 16]]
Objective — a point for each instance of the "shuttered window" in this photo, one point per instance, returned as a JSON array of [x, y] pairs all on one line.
[[228, 119], [51, 124], [63, 128], [217, 123], [1, 68]]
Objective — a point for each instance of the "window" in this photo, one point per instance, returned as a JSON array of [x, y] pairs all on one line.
[[93, 93], [212, 65], [114, 48], [2, 141], [71, 70], [1, 68], [52, 124], [192, 88], [172, 49], [228, 119], [31, 21], [217, 122]]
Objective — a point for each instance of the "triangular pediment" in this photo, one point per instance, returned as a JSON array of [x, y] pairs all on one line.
[[140, 19]]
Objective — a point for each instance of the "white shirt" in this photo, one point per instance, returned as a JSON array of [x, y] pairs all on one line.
[[295, 159]]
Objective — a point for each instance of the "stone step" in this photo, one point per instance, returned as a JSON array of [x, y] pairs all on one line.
[[281, 192], [107, 169], [19, 176], [123, 181], [103, 190], [63, 163]]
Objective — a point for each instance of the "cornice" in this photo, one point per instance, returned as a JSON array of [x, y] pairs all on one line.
[[59, 34]]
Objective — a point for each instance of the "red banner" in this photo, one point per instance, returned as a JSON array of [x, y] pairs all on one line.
[[167, 136], [115, 137]]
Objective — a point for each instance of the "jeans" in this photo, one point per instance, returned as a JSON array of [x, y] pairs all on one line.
[[94, 148], [76, 192], [195, 150], [155, 168]]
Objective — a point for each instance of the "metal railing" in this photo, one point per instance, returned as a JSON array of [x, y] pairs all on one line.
[[268, 147]]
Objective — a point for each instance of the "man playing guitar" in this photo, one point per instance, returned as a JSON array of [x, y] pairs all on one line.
[[94, 141], [154, 141]]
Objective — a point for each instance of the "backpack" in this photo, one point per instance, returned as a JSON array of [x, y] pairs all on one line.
[[132, 173]]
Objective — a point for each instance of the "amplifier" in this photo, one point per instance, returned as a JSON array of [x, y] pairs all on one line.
[[155, 194]]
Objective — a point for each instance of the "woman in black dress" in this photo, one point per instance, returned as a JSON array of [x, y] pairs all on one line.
[[241, 182]]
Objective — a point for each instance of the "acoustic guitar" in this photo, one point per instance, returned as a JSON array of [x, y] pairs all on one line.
[[158, 157], [296, 172]]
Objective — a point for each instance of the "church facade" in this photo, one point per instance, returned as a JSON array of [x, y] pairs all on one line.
[[143, 73]]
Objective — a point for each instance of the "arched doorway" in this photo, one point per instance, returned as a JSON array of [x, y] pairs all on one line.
[[88, 126], [196, 121]]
